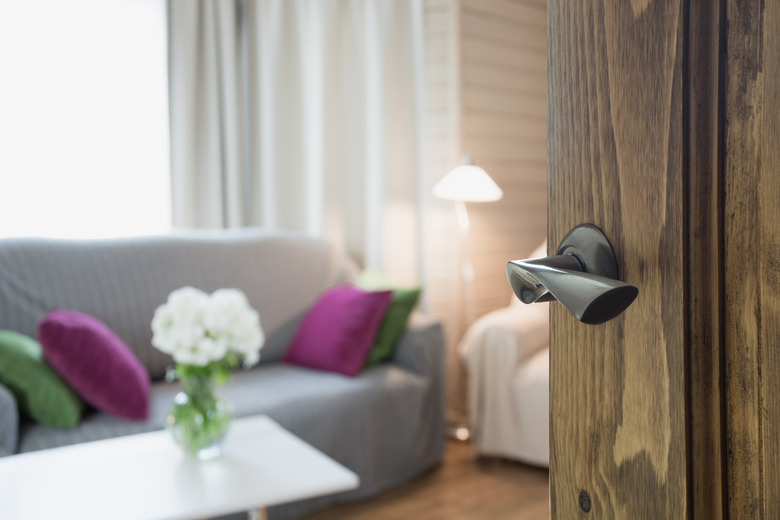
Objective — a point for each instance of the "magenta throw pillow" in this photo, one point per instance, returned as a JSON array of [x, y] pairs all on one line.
[[339, 329], [96, 364]]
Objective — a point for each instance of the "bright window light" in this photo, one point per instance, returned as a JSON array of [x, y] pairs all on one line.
[[83, 118]]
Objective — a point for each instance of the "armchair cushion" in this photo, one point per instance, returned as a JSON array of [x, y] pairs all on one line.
[[525, 328]]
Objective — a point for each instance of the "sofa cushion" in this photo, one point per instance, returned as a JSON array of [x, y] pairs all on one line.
[[338, 331], [394, 322], [96, 363], [39, 392]]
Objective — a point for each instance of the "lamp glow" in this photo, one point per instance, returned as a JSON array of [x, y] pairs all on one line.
[[469, 183]]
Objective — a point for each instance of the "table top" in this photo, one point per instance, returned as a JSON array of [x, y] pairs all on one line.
[[147, 476]]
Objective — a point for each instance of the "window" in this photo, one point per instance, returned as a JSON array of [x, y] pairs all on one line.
[[83, 118]]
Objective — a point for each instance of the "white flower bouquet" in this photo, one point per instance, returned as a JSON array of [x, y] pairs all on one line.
[[197, 328]]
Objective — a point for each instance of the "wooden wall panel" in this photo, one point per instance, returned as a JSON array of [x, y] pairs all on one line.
[[504, 127], [485, 49], [486, 97], [520, 12], [618, 397], [510, 32], [752, 250]]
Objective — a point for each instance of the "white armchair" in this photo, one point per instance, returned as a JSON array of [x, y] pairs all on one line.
[[506, 353]]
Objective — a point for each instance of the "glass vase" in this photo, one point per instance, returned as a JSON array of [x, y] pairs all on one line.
[[198, 419]]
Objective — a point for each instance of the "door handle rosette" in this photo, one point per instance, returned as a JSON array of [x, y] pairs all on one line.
[[582, 275]]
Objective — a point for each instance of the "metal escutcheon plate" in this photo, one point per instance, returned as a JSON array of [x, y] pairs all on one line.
[[589, 245]]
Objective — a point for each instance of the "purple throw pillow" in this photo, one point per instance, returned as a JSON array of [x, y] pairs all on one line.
[[339, 329], [95, 363]]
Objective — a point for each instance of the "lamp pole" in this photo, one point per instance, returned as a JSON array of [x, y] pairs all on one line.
[[466, 269], [465, 183]]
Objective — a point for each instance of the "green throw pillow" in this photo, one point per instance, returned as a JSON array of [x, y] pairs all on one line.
[[394, 322], [40, 393]]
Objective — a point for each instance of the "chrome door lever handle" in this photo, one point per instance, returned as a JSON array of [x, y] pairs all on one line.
[[582, 276]]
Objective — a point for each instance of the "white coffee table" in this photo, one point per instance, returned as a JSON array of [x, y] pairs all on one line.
[[146, 476]]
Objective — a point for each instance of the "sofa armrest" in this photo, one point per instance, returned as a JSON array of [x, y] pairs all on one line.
[[421, 347], [9, 422]]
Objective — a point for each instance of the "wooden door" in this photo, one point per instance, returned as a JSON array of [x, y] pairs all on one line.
[[664, 131]]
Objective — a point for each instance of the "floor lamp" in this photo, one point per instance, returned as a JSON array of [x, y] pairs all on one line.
[[466, 183]]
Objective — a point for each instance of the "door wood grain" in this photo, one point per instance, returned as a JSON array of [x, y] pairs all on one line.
[[752, 257], [615, 141]]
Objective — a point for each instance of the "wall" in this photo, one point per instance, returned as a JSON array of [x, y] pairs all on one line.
[[504, 127], [485, 96]]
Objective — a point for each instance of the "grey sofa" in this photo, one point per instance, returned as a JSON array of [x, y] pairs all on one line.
[[387, 424]]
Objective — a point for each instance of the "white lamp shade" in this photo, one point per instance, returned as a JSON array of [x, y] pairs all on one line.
[[468, 183]]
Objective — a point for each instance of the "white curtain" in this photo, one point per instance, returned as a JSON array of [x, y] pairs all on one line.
[[301, 115], [207, 113]]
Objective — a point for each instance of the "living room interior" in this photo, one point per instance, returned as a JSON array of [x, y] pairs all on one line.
[[294, 150]]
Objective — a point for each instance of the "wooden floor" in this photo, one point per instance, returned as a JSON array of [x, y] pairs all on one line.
[[462, 488]]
